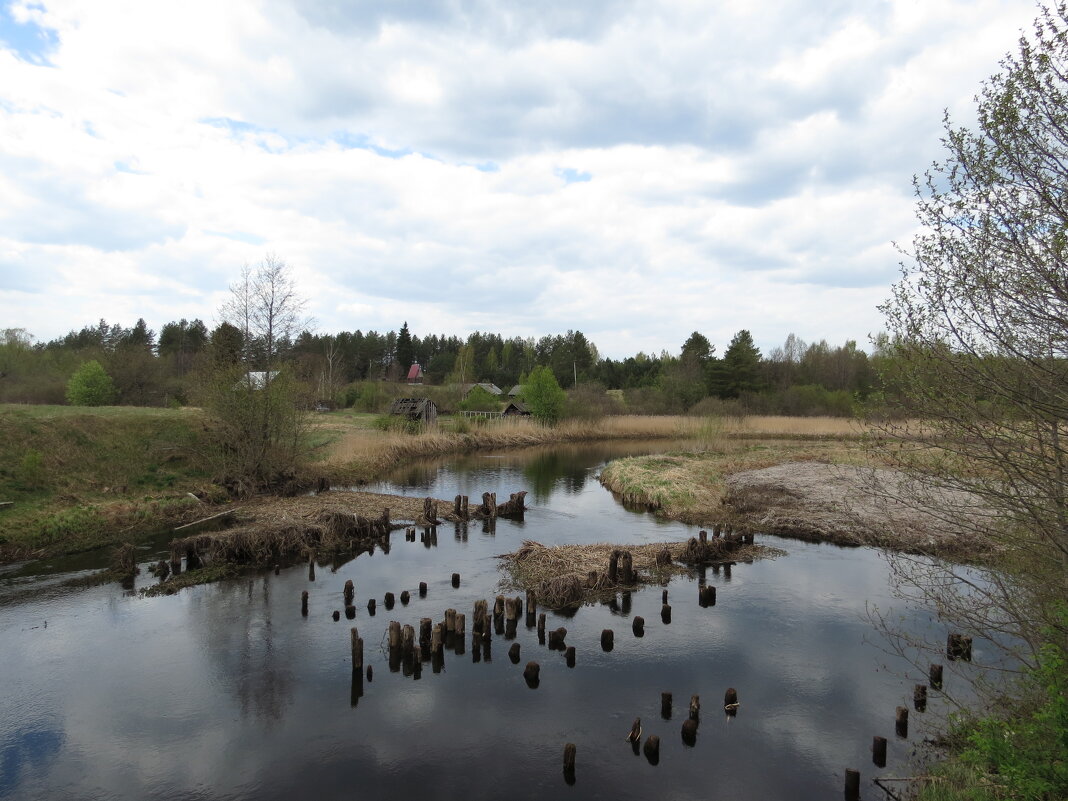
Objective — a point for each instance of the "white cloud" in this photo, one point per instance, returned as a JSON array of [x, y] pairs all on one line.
[[745, 168]]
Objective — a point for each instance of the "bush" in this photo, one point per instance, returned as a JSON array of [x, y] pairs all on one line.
[[479, 400], [90, 386], [544, 396], [591, 402]]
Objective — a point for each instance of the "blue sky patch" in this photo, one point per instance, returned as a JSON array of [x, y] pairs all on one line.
[[572, 176], [239, 236], [29, 41]]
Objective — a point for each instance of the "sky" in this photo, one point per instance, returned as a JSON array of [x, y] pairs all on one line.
[[633, 170]]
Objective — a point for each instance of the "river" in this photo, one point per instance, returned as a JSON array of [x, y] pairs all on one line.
[[226, 692]]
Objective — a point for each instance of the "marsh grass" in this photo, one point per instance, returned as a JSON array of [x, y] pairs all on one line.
[[691, 486]]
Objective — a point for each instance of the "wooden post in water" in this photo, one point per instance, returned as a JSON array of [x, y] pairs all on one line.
[[422, 589], [405, 597], [304, 603], [613, 567], [450, 621], [513, 653], [689, 731], [394, 635], [426, 627], [350, 591], [457, 506], [461, 624], [730, 702], [607, 640], [707, 596], [556, 639], [935, 676], [919, 697], [695, 707], [455, 579], [357, 650], [664, 597], [852, 785], [878, 751], [702, 535], [569, 656], [638, 626], [407, 639], [569, 757], [626, 568], [901, 722], [336, 615], [531, 673], [389, 601], [665, 614], [371, 606], [652, 749], [437, 641], [350, 612]]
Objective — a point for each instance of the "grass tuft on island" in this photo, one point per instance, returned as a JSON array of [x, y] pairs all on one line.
[[568, 575]]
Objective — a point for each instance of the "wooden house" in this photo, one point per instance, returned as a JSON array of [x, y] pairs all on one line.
[[422, 410]]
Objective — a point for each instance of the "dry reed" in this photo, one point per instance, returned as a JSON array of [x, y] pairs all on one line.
[[566, 575]]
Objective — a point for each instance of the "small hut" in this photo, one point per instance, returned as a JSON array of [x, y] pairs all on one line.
[[517, 409], [422, 410], [415, 374]]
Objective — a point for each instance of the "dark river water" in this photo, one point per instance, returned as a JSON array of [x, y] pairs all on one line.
[[227, 692]]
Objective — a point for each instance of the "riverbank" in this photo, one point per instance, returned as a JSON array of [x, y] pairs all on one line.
[[827, 492]]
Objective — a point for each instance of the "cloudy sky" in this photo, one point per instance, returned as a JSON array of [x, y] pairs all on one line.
[[635, 170]]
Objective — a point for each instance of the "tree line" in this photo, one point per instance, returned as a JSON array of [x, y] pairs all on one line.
[[147, 369]]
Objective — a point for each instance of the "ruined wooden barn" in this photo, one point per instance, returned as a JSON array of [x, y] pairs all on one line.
[[422, 410], [517, 409]]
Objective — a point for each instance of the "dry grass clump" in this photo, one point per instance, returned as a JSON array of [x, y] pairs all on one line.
[[566, 575], [691, 487]]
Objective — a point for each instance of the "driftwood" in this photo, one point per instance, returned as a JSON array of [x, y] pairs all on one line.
[[213, 521]]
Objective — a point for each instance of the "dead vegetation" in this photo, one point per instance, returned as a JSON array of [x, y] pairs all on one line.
[[567, 575]]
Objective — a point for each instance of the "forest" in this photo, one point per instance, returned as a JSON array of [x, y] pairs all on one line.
[[364, 369]]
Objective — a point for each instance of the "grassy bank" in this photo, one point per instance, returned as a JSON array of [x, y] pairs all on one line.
[[691, 487], [80, 478], [356, 450]]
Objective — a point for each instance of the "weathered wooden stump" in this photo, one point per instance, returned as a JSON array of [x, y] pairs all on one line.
[[304, 603], [689, 731], [959, 647], [706, 596], [437, 641], [422, 589], [901, 721], [702, 535], [626, 568], [652, 749], [664, 597], [509, 609], [556, 639], [607, 640], [569, 656], [455, 579], [356, 643], [665, 614], [350, 591], [461, 625], [405, 597], [935, 676], [371, 606], [394, 635], [665, 706], [426, 628], [695, 708], [541, 623], [878, 751], [852, 785], [336, 615], [638, 626], [450, 621], [613, 567], [350, 612], [389, 601], [531, 673], [919, 697], [479, 618], [513, 653], [407, 640], [730, 701]]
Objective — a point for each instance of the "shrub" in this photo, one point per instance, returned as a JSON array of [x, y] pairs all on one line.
[[90, 386]]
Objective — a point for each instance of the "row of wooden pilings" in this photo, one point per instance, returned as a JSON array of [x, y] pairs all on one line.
[[958, 647], [409, 649]]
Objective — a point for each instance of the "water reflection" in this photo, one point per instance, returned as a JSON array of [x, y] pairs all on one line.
[[228, 691]]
